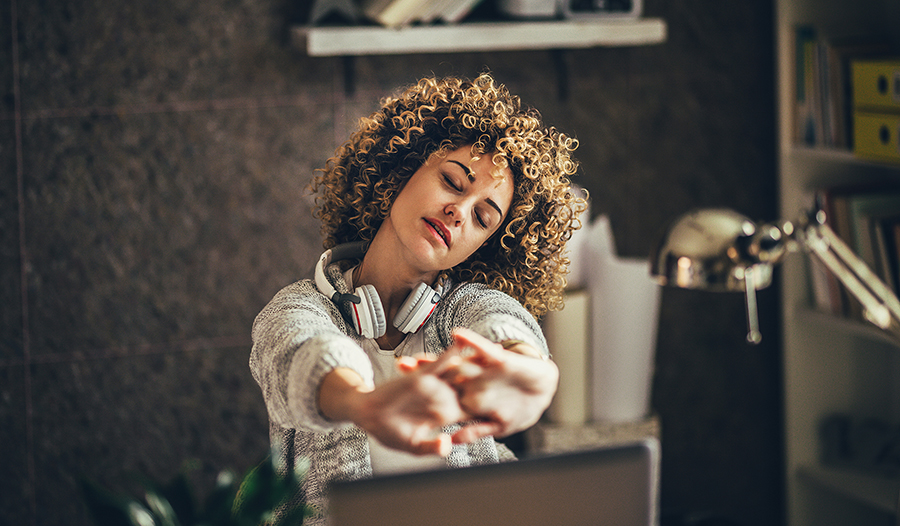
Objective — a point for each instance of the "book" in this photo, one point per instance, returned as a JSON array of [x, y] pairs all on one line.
[[866, 210], [867, 219], [431, 11], [458, 9], [841, 53], [824, 286], [896, 247], [876, 136], [804, 121], [884, 229], [876, 84], [393, 13], [824, 85], [399, 13]]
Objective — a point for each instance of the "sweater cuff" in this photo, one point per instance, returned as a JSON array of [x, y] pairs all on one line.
[[315, 359], [512, 329]]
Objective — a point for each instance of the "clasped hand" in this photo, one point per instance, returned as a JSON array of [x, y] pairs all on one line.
[[487, 389]]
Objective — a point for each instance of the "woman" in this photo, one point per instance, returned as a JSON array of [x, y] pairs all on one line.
[[446, 214]]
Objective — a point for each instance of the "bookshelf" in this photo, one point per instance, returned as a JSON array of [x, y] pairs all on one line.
[[830, 364]]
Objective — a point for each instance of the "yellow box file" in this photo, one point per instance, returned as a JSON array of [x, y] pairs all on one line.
[[876, 84], [875, 136]]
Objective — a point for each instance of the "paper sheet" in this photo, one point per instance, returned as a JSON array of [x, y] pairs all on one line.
[[624, 321]]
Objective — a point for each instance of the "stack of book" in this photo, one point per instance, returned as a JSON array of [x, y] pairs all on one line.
[[824, 104], [867, 218], [399, 13], [876, 105]]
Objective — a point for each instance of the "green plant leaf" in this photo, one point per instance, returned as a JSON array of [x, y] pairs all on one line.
[[181, 498], [161, 508], [256, 491], [251, 502], [109, 509], [219, 503]]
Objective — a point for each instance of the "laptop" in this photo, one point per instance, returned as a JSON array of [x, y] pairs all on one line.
[[614, 485]]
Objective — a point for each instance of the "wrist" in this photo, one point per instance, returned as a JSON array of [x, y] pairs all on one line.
[[520, 347], [341, 394]]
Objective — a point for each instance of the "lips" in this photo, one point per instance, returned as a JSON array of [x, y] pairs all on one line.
[[440, 229]]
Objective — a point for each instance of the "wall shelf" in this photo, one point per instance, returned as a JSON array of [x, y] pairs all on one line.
[[480, 36], [553, 35]]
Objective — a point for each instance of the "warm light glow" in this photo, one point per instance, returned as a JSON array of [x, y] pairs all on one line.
[[683, 276], [820, 217]]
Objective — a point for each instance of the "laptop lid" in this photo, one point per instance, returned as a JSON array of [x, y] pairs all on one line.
[[614, 485]]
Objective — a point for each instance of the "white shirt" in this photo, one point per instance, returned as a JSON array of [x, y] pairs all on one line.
[[384, 362]]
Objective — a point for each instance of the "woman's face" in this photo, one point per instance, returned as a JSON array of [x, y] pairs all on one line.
[[449, 207]]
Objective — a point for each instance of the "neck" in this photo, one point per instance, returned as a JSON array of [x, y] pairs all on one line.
[[393, 278]]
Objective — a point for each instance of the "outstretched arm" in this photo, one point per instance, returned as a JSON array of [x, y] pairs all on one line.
[[507, 390]]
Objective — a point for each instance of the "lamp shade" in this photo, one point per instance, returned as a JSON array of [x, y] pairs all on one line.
[[709, 249]]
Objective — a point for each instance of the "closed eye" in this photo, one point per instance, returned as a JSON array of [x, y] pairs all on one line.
[[480, 220], [451, 183]]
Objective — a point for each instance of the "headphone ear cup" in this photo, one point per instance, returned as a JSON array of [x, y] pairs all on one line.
[[416, 309], [369, 320]]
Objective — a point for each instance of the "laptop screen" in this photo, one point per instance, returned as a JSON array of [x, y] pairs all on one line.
[[614, 485]]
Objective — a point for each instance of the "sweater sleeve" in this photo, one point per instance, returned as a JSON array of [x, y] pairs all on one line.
[[489, 312], [298, 338]]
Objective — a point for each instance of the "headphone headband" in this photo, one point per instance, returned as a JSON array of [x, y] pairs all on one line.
[[338, 253]]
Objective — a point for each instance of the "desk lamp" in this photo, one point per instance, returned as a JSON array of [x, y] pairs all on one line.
[[718, 249]]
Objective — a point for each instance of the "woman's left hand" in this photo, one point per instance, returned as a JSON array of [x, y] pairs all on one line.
[[507, 390]]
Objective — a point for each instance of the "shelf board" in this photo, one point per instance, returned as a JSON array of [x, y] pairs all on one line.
[[880, 493], [838, 155], [828, 154], [481, 36], [857, 327]]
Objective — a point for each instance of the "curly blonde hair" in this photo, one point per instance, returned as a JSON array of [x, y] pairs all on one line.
[[525, 257]]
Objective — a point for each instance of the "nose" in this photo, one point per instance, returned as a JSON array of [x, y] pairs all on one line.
[[453, 211]]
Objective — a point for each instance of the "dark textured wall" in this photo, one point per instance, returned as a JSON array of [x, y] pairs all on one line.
[[154, 158]]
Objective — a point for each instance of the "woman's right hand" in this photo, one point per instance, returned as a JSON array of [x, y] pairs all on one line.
[[405, 413]]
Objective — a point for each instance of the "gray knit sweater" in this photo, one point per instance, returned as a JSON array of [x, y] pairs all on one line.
[[301, 335]]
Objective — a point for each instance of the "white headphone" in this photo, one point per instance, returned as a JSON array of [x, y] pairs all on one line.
[[365, 311]]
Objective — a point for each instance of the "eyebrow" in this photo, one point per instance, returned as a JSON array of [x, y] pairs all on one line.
[[468, 171], [471, 177]]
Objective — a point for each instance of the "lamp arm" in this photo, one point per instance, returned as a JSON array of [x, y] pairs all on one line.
[[880, 305], [753, 334]]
